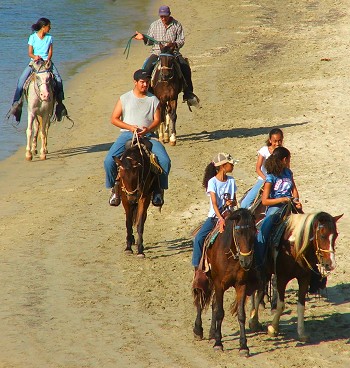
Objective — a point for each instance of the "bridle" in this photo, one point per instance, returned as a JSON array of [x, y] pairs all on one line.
[[165, 68], [37, 84]]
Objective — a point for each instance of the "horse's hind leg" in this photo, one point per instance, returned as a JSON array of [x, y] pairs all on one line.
[[166, 129], [219, 316], [273, 328], [256, 299], [198, 326], [43, 135]]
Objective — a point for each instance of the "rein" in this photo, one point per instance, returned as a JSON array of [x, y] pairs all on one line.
[[128, 45]]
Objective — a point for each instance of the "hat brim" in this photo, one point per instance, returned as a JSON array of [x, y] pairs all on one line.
[[223, 162]]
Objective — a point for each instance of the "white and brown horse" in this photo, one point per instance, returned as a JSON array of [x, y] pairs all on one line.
[[41, 101]]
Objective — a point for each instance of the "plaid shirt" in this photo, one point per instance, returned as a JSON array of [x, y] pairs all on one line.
[[172, 33]]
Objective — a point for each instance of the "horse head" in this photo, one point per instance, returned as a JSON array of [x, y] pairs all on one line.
[[166, 62], [243, 234], [323, 240], [43, 79]]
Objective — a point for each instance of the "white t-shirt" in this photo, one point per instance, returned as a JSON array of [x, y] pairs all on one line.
[[265, 153], [220, 188]]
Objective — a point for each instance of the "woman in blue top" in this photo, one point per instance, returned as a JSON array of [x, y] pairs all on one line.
[[279, 189], [40, 47], [221, 189]]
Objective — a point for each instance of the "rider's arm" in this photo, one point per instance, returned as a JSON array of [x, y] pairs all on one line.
[[116, 115], [266, 201], [50, 53], [31, 53], [180, 36], [259, 163]]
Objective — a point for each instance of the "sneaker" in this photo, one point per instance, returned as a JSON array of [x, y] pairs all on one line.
[[191, 99], [114, 199], [61, 111], [158, 199]]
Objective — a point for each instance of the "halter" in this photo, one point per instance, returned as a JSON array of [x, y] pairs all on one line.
[[38, 85], [166, 68], [319, 253], [239, 253], [139, 188]]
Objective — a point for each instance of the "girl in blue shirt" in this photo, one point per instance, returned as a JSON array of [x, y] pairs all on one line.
[[40, 47], [279, 189]]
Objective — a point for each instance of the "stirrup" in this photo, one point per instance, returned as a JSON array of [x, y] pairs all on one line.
[[158, 198]]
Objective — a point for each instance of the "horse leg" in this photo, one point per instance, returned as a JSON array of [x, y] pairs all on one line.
[[273, 328], [255, 301], [43, 150], [161, 132], [166, 128], [35, 136], [241, 296], [141, 219], [198, 326], [303, 288], [29, 155], [213, 320], [172, 117], [129, 234], [219, 316]]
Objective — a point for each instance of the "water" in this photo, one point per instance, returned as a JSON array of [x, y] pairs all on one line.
[[82, 30]]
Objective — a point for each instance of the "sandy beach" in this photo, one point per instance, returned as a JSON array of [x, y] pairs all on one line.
[[70, 297]]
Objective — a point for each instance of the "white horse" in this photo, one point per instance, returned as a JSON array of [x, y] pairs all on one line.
[[41, 101]]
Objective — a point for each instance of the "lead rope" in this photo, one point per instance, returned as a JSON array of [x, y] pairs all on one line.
[[128, 45]]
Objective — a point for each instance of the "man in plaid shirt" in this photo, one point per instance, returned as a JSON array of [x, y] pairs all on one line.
[[168, 31]]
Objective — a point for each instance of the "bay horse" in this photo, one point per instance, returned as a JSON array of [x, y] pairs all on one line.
[[167, 83], [138, 178], [41, 101], [230, 260], [300, 245]]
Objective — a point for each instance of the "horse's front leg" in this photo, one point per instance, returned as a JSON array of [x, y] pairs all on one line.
[[241, 296], [219, 316], [140, 223], [130, 240], [43, 135], [303, 288], [212, 330], [172, 117], [29, 132], [273, 328]]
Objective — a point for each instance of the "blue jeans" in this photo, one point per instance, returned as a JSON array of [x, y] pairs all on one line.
[[198, 242], [248, 200], [26, 73], [118, 149], [271, 218]]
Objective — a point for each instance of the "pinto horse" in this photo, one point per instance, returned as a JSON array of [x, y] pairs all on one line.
[[230, 259], [167, 83], [41, 101], [138, 179], [306, 243]]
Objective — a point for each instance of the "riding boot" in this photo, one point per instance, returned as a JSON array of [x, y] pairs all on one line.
[[158, 198], [115, 199], [61, 110], [16, 110], [190, 98]]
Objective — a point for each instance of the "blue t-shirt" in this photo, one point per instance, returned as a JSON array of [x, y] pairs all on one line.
[[220, 188], [40, 46], [282, 185]]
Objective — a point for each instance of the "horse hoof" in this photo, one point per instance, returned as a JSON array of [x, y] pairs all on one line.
[[304, 338], [244, 353], [271, 331], [29, 157], [42, 157], [218, 348], [141, 255], [128, 251], [172, 143], [166, 138], [160, 137], [198, 337]]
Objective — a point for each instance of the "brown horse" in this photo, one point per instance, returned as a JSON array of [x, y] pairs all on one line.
[[138, 179], [306, 243], [230, 259], [167, 83]]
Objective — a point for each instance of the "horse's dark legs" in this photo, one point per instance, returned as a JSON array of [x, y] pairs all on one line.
[[130, 240], [241, 295], [219, 316], [198, 326], [140, 221], [213, 320]]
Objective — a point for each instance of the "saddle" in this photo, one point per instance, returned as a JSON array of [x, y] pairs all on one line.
[[147, 145]]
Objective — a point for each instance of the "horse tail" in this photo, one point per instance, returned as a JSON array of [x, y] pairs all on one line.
[[202, 293]]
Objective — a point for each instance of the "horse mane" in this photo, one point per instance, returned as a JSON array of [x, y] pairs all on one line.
[[300, 226]]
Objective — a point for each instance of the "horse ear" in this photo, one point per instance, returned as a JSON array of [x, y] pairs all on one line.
[[336, 218], [117, 161]]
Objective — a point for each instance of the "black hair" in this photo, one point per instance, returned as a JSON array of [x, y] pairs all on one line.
[[274, 164], [273, 132], [42, 22], [209, 172]]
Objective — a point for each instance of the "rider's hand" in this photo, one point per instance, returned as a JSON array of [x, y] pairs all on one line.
[[139, 36], [142, 131], [221, 224], [134, 128], [172, 45]]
